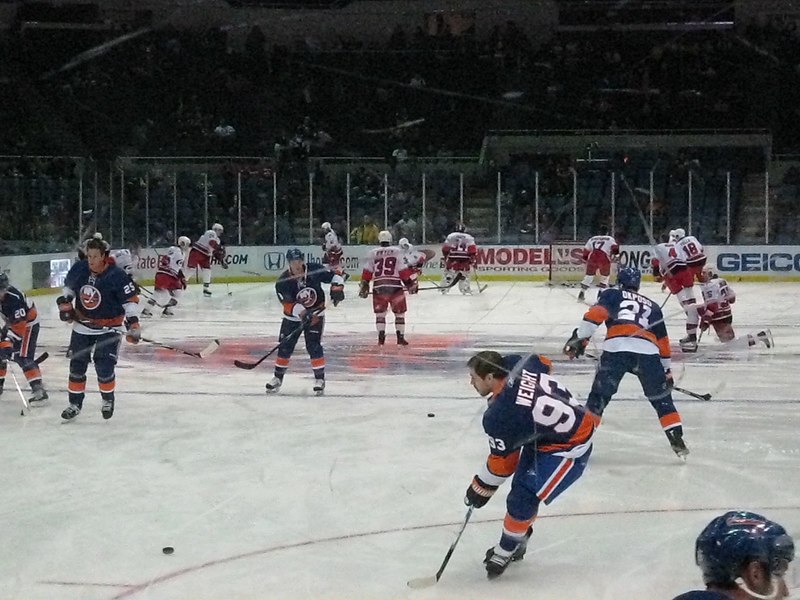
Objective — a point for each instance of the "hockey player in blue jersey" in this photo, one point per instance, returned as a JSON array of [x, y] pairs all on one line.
[[299, 289], [636, 342], [743, 556], [98, 299], [18, 337], [538, 435]]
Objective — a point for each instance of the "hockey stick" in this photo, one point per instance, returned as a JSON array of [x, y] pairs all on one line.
[[478, 282], [205, 352], [26, 407], [691, 393], [249, 366], [663, 304], [423, 582], [674, 387], [459, 276]]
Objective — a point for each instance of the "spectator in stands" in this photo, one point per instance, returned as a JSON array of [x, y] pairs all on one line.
[[366, 233]]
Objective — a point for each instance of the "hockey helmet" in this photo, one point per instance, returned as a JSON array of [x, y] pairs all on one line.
[[184, 242], [404, 244], [460, 227], [217, 228], [385, 237], [294, 254], [707, 274], [326, 226], [734, 539], [677, 234], [629, 278], [4, 284]]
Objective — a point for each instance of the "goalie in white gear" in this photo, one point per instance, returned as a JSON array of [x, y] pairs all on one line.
[[170, 279], [461, 255]]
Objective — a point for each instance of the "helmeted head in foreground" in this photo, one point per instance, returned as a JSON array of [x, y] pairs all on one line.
[[745, 550], [629, 278]]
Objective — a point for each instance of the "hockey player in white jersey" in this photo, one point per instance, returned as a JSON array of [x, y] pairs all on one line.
[[716, 312], [598, 253], [414, 258], [391, 277], [691, 253], [170, 279], [332, 248], [208, 246], [461, 255]]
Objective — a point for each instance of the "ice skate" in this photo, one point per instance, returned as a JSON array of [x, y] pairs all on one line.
[[689, 343], [464, 287], [2, 383], [401, 339], [206, 291], [676, 441], [496, 563], [273, 385], [319, 387], [146, 312], [519, 553], [39, 397], [107, 409], [167, 312], [69, 413], [381, 338], [765, 337]]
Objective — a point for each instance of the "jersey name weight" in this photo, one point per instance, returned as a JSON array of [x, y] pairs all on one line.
[[526, 393], [90, 297]]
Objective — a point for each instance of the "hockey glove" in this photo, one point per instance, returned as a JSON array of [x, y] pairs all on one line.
[[6, 350], [66, 312], [337, 293], [478, 493], [134, 334], [182, 279], [363, 291], [575, 346], [670, 380], [412, 286]]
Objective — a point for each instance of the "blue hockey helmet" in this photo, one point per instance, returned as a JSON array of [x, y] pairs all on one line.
[[629, 278], [294, 254], [734, 539]]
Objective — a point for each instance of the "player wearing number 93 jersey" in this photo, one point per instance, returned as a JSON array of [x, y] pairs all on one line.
[[636, 342], [538, 435]]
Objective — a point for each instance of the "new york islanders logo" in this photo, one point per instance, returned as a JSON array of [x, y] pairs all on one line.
[[90, 297], [307, 297]]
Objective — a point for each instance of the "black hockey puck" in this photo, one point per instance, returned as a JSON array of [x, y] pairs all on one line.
[[431, 415], [168, 549]]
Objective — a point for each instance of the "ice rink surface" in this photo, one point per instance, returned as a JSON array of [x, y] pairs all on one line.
[[350, 495]]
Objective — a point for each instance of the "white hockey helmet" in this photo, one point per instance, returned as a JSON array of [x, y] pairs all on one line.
[[707, 274], [385, 237], [326, 226], [217, 228], [677, 234], [184, 242], [404, 243]]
